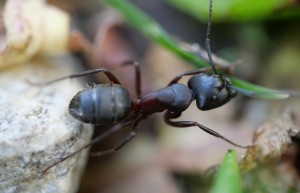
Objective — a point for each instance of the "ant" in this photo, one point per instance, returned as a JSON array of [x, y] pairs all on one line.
[[103, 104]]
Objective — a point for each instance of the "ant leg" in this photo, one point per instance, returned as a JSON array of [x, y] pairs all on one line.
[[109, 75], [93, 142], [168, 116], [189, 73], [137, 76], [131, 135]]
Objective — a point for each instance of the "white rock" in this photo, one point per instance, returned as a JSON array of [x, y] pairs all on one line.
[[36, 129]]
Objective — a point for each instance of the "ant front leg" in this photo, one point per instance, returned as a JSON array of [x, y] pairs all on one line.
[[109, 75], [189, 73], [131, 135], [169, 115]]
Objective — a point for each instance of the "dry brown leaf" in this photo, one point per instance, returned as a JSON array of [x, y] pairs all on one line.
[[271, 140]]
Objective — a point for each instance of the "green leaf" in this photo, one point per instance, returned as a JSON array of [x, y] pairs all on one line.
[[228, 179], [237, 10], [152, 30]]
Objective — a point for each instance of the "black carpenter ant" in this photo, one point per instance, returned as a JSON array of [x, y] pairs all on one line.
[[103, 104]]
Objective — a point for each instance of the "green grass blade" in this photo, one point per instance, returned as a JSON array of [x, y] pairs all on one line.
[[238, 10], [258, 91], [228, 179], [153, 31]]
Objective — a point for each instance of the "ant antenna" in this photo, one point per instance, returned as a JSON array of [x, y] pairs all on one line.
[[207, 44]]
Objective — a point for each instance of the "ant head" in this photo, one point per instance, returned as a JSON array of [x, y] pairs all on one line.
[[211, 91]]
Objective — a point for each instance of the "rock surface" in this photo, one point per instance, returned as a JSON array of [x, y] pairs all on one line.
[[36, 129]]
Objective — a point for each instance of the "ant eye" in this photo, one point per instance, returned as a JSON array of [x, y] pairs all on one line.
[[233, 93], [214, 98]]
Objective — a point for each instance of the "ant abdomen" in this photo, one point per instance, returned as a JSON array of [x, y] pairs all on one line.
[[101, 104]]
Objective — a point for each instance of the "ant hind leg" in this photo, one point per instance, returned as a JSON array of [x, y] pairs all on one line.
[[131, 135], [109, 75], [93, 142]]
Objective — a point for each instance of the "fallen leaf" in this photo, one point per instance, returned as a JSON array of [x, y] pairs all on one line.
[[271, 140]]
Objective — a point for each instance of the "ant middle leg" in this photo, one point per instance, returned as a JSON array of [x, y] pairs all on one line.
[[168, 116], [137, 76], [109, 75]]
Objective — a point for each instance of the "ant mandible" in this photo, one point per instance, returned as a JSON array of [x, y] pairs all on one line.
[[103, 104]]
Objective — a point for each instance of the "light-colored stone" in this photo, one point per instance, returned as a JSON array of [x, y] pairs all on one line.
[[36, 129]]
